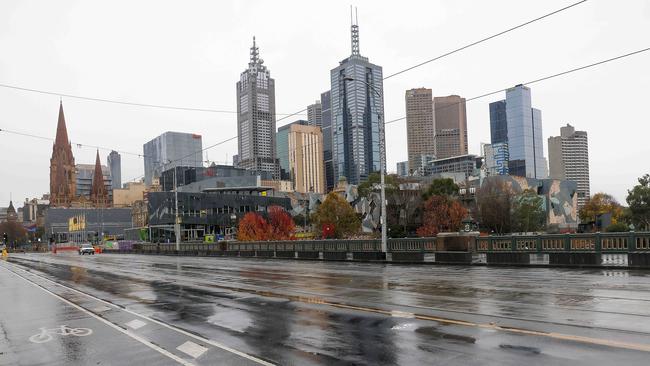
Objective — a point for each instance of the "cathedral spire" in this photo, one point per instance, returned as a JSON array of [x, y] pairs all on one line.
[[61, 130], [98, 193], [354, 30]]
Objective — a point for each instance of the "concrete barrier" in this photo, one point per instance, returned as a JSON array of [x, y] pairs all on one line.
[[335, 256], [407, 257], [508, 258], [575, 259], [454, 258], [285, 254], [308, 255], [368, 256], [638, 259]]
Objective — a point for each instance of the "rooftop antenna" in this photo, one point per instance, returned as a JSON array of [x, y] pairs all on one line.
[[355, 32], [255, 52]]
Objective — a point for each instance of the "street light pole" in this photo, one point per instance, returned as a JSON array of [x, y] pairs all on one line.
[[382, 164]]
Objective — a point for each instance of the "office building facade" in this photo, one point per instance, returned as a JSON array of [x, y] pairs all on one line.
[[420, 126], [569, 160], [114, 162], [169, 150], [496, 158], [403, 168], [450, 126], [256, 117], [523, 128], [84, 180], [326, 128], [357, 110], [315, 114]]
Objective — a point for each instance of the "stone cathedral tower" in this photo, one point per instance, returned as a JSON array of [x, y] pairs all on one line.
[[62, 167]]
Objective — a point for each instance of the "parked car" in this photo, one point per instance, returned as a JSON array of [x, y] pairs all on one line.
[[86, 249]]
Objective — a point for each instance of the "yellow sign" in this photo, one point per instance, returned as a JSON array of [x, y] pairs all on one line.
[[77, 223]]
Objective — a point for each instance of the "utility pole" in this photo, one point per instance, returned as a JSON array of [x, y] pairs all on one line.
[[177, 225]]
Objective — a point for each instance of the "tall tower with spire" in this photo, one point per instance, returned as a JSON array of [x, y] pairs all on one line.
[[357, 109], [256, 117], [98, 192], [62, 167]]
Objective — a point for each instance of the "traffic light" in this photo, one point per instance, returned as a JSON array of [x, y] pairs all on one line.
[[5, 238]]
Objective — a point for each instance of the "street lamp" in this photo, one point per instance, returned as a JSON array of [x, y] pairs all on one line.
[[382, 163]]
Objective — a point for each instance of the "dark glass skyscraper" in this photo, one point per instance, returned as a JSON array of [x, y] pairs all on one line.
[[326, 120], [498, 122], [357, 106]]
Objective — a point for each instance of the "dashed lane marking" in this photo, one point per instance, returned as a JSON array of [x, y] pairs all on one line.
[[136, 324], [192, 349]]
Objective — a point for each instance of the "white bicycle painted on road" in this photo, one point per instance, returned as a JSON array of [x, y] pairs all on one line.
[[46, 334]]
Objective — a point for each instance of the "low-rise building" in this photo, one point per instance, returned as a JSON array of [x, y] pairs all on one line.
[[132, 192]]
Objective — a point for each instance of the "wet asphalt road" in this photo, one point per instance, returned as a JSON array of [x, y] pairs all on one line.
[[169, 310]]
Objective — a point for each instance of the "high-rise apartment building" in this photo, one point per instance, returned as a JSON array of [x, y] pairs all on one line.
[[569, 160], [114, 162], [326, 115], [357, 110], [420, 126], [304, 163], [315, 114], [515, 118], [451, 126], [256, 117], [169, 150], [403, 168]]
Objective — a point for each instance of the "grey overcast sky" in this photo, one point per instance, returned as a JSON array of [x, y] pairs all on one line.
[[190, 53]]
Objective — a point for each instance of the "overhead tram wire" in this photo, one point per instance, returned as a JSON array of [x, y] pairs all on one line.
[[302, 110], [114, 101], [537, 80], [485, 39], [71, 142]]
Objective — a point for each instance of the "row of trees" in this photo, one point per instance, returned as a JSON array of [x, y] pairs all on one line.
[[501, 210]]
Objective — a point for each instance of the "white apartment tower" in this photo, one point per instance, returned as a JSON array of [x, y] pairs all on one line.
[[569, 159]]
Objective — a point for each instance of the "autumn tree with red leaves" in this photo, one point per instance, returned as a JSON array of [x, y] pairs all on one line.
[[441, 214], [254, 227], [281, 224]]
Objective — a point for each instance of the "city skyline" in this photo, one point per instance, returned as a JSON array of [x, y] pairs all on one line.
[[31, 113]]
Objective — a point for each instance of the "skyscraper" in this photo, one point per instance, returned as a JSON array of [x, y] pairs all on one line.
[[357, 107], [315, 114], [515, 118], [403, 168], [62, 167], [569, 159], [420, 126], [304, 163], [450, 126], [326, 115], [256, 117], [114, 162], [169, 150]]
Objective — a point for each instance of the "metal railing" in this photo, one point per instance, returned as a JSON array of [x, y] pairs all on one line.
[[567, 243]]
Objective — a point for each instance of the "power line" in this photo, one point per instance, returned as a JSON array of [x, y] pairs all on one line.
[[485, 39], [71, 142], [114, 101], [536, 80]]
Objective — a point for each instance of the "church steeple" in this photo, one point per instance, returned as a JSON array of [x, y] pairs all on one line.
[[62, 169], [98, 192]]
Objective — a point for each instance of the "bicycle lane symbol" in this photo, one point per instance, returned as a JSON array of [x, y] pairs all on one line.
[[46, 334]]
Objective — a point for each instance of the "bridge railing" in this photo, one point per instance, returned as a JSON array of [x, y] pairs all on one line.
[[594, 242]]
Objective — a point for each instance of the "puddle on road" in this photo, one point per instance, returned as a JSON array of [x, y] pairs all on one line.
[[524, 349], [434, 332]]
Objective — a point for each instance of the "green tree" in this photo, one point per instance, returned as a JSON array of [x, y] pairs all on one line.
[[336, 211], [372, 184], [527, 212], [638, 199], [617, 228], [598, 204], [441, 187]]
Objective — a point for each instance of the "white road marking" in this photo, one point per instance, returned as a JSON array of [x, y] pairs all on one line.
[[134, 336], [192, 349], [204, 340], [401, 314], [101, 309], [136, 324]]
